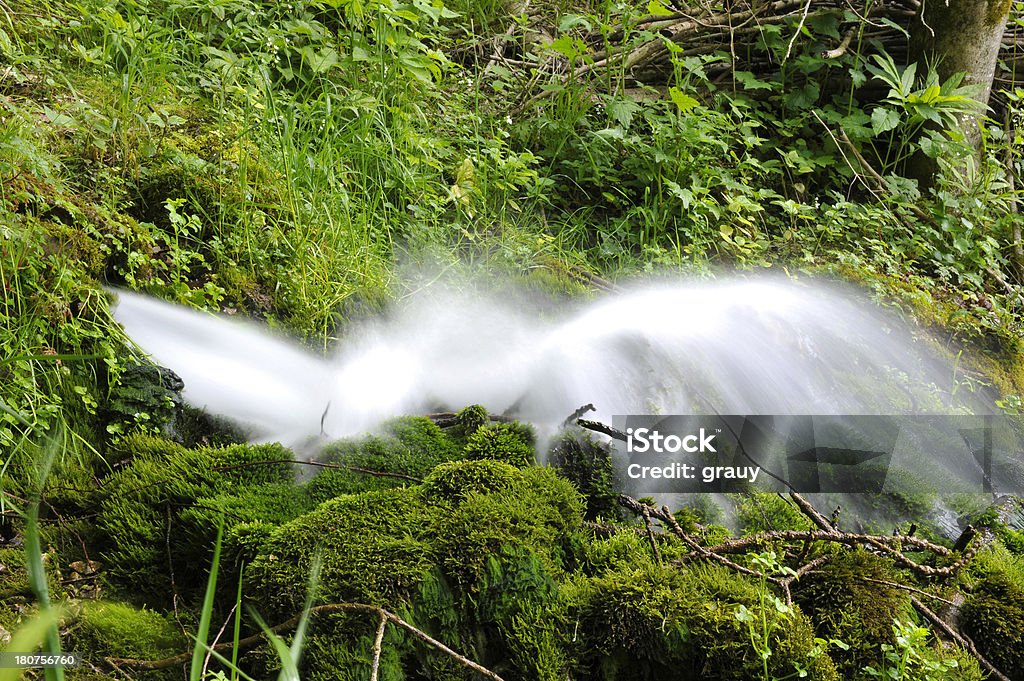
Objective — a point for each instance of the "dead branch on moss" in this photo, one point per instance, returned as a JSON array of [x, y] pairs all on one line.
[[958, 638], [288, 625]]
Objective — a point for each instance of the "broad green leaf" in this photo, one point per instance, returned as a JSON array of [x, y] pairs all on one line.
[[682, 100], [884, 119], [658, 9]]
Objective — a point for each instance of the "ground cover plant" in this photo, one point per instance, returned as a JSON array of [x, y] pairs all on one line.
[[286, 162]]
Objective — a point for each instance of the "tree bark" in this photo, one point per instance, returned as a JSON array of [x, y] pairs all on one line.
[[961, 36]]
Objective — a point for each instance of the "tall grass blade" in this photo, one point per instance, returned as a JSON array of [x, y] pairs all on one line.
[[203, 633]]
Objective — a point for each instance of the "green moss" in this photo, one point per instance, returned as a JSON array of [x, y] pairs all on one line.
[[766, 512], [843, 605], [456, 481], [588, 464], [465, 556], [654, 622], [535, 508], [472, 418], [159, 512], [109, 628], [508, 442], [374, 547], [992, 617], [410, 446]]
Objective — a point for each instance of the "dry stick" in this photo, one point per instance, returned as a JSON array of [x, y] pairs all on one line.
[[646, 511], [653, 47], [788, 580], [599, 427], [905, 587], [956, 636], [887, 543], [377, 643], [665, 515], [800, 27], [843, 46], [294, 621], [808, 510]]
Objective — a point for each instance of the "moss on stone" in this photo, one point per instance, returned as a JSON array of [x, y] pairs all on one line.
[[159, 512], [508, 442], [653, 622], [994, 610], [843, 605], [109, 628], [409, 446]]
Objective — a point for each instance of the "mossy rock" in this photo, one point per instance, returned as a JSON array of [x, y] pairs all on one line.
[[408, 447], [114, 629], [512, 443], [587, 463], [144, 396], [537, 509], [458, 480], [460, 556], [993, 617], [654, 622], [843, 605], [374, 547], [158, 512]]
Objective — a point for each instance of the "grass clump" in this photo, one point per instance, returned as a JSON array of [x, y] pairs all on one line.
[[588, 464]]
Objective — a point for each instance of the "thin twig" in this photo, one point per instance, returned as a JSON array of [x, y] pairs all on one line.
[[378, 641], [800, 27]]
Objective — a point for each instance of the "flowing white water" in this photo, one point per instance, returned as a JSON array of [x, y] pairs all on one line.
[[753, 346]]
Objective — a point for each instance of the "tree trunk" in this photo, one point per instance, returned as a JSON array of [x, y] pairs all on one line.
[[961, 36]]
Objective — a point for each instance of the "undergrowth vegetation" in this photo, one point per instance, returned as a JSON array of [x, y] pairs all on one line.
[[282, 161]]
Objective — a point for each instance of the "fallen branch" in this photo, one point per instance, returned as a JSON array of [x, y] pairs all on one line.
[[599, 427], [964, 642], [378, 641]]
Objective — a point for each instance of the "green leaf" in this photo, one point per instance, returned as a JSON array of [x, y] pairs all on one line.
[[682, 100], [658, 9], [884, 119], [566, 46], [621, 111], [206, 616], [751, 82]]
